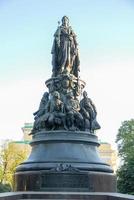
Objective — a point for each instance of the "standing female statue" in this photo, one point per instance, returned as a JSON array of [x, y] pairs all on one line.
[[65, 58]]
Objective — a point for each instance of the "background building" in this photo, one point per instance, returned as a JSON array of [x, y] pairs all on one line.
[[108, 154], [26, 131]]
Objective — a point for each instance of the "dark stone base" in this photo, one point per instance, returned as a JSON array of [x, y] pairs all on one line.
[[65, 181], [65, 196], [65, 161]]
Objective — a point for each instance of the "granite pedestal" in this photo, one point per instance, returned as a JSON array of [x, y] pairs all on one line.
[[65, 161]]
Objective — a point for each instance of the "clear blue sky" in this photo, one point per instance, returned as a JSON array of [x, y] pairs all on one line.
[[104, 28], [105, 33]]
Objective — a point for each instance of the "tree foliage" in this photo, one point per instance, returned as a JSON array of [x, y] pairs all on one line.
[[125, 143], [11, 155]]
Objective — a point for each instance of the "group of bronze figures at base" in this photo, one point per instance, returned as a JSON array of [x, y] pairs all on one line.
[[70, 114]]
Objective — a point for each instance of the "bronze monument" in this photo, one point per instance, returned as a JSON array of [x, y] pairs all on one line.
[[64, 154]]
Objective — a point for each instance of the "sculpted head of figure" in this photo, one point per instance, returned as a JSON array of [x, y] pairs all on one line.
[[56, 95], [65, 83], [85, 94], [65, 21]]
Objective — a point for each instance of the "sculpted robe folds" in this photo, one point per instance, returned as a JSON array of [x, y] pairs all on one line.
[[64, 51]]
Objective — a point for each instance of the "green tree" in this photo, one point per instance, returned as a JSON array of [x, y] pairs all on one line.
[[11, 155], [125, 143]]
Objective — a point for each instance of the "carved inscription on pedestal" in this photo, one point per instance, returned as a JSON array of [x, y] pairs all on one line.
[[64, 180]]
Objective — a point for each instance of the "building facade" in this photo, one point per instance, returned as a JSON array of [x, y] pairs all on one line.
[[108, 154]]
